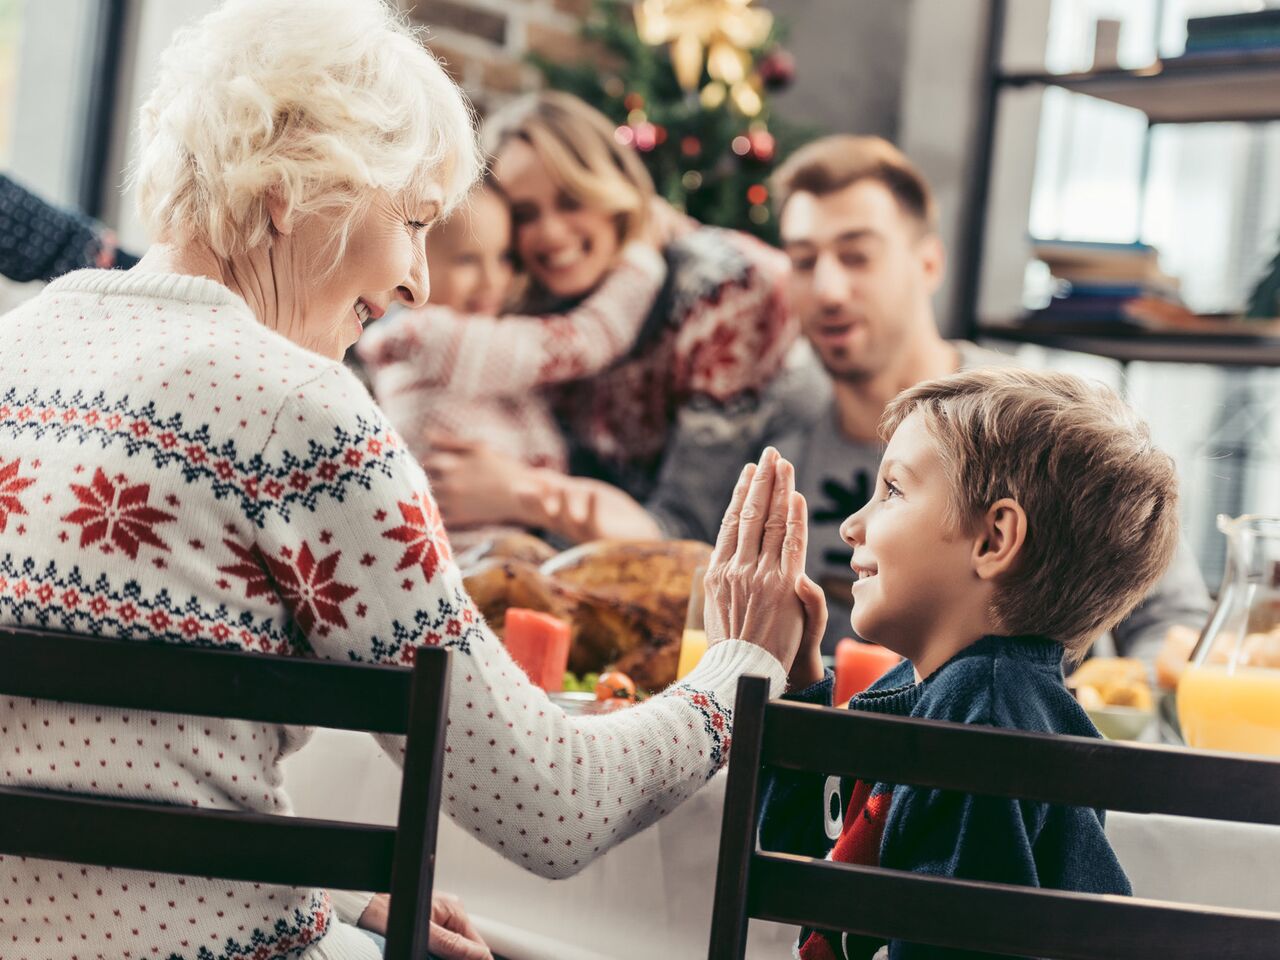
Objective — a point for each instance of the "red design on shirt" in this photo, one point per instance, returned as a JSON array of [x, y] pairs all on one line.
[[251, 569], [422, 533], [308, 589], [118, 513], [10, 486], [859, 843]]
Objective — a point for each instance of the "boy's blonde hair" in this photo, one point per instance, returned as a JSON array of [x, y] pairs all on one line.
[[832, 163], [1101, 501]]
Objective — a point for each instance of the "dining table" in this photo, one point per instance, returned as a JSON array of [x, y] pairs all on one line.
[[651, 896]]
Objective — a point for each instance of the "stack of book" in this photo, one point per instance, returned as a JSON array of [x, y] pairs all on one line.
[[1234, 33], [1094, 281]]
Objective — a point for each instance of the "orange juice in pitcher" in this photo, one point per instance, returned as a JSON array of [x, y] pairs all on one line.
[[1239, 711], [1229, 697]]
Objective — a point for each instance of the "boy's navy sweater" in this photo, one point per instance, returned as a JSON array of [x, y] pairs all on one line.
[[1011, 682]]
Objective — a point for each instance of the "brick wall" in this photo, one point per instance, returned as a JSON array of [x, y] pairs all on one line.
[[483, 43]]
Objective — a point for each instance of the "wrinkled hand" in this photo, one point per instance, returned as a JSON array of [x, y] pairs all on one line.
[[452, 935], [581, 510], [474, 484], [753, 578]]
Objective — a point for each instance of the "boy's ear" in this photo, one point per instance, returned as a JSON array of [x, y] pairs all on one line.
[[1000, 538]]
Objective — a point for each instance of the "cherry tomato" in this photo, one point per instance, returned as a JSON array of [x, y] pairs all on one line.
[[613, 683]]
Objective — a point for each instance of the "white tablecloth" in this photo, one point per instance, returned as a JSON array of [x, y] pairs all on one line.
[[651, 896]]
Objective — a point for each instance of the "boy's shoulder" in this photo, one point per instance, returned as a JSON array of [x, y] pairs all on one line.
[[1015, 683]]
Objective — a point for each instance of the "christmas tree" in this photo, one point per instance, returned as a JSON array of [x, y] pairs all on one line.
[[701, 124]]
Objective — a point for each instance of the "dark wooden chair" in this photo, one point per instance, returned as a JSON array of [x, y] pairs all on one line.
[[237, 845], [999, 918]]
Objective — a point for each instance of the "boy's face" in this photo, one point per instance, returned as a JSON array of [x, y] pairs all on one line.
[[470, 260], [914, 572]]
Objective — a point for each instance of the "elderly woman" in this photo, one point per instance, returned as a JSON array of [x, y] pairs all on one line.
[[184, 459]]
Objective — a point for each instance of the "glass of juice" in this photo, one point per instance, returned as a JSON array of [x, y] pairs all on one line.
[[693, 643], [1229, 696]]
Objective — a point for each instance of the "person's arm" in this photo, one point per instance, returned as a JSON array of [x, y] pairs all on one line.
[[360, 558], [1180, 598], [39, 241], [476, 356]]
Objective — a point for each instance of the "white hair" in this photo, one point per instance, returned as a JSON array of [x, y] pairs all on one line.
[[317, 104]]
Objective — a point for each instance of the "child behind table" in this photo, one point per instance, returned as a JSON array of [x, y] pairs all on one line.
[[1017, 516], [452, 368]]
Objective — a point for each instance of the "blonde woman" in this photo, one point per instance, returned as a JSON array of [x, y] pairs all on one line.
[[714, 338], [184, 459]]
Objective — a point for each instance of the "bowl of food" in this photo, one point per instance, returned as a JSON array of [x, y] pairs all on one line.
[[1116, 694]]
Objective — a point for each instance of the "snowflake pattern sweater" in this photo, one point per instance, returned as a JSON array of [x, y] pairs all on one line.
[[171, 469]]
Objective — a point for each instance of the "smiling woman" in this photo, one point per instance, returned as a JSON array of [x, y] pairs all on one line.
[[280, 162], [217, 477]]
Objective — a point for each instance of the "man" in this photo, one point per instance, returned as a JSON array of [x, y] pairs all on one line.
[[858, 223]]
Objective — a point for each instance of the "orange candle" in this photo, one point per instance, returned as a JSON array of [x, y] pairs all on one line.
[[539, 643], [859, 665]]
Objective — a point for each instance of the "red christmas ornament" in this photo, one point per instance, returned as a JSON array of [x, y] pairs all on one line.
[[762, 145], [690, 146], [646, 136], [777, 69]]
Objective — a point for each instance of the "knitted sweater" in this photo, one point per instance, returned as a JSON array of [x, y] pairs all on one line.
[[1011, 682], [172, 470], [477, 378]]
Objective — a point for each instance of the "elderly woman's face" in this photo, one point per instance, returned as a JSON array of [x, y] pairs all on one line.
[[385, 262], [565, 246]]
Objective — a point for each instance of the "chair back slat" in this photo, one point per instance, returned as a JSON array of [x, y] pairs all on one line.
[[1138, 778], [998, 918], [230, 845], [202, 681]]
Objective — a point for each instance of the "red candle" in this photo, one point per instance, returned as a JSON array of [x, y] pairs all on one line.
[[539, 643], [859, 665]]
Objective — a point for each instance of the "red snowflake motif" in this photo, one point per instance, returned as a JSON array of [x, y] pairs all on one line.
[[716, 359], [250, 568], [422, 533], [118, 513], [308, 588], [10, 486]]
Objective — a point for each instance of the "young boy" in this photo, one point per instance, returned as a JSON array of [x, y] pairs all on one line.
[[1017, 515]]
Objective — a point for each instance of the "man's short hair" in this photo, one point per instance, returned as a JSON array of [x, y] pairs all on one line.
[[833, 163], [1101, 501]]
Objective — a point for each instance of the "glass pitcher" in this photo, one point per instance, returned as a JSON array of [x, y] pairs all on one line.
[[1229, 696]]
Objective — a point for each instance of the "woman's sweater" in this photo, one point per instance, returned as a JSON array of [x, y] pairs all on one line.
[[172, 470], [1010, 682]]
